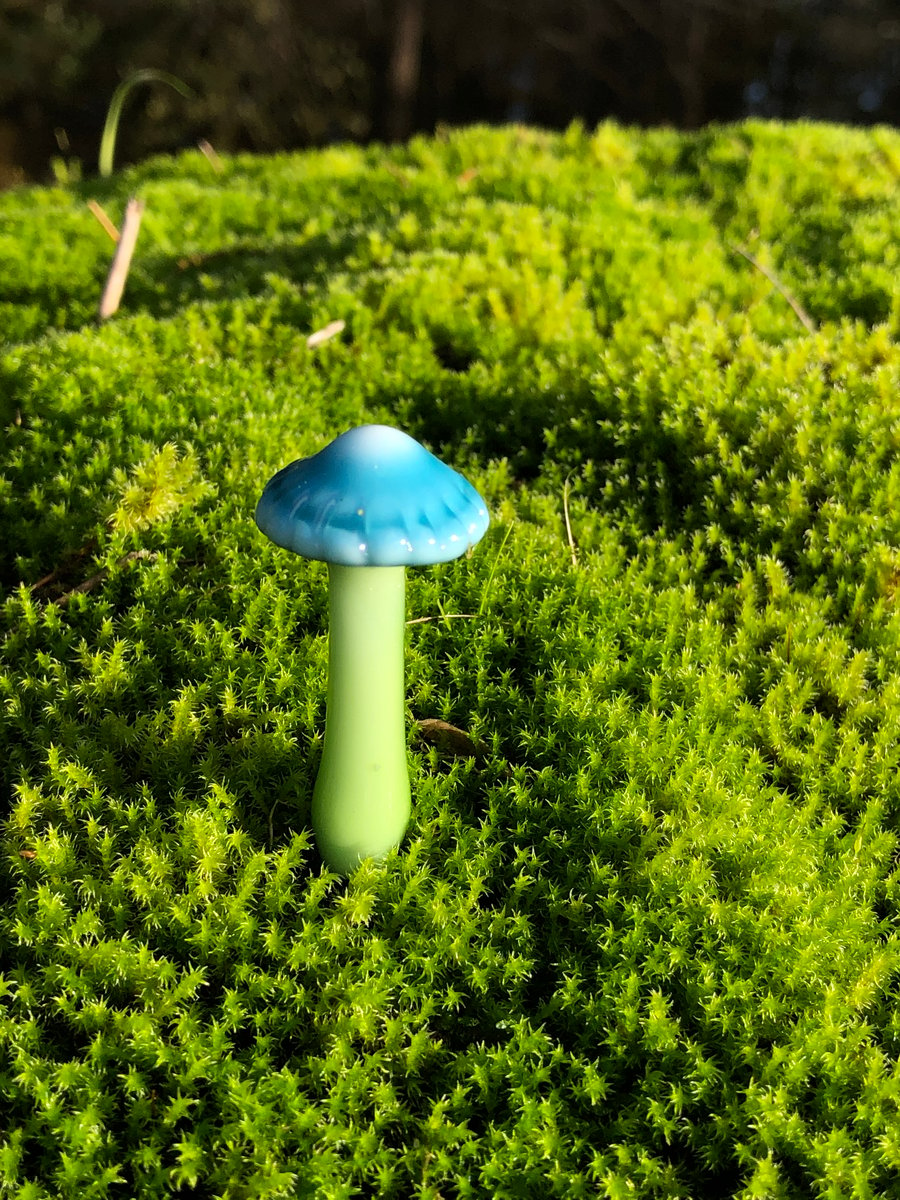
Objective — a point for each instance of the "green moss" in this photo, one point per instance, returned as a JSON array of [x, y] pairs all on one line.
[[646, 945]]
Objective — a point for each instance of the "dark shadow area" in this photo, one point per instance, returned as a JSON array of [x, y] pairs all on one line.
[[163, 286], [270, 74], [452, 356]]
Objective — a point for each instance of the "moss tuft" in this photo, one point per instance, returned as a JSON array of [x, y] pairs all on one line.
[[644, 941]]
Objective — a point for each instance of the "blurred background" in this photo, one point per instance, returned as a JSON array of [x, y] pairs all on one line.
[[282, 74]]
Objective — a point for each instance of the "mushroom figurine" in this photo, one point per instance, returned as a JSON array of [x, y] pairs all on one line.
[[370, 504]]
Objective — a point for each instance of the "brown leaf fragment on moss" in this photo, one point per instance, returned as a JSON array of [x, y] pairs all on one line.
[[449, 739]]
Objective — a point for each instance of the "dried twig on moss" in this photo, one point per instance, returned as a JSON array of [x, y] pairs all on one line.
[[63, 575], [96, 580], [801, 312], [118, 271], [69, 567], [444, 617], [210, 155], [100, 213], [323, 335]]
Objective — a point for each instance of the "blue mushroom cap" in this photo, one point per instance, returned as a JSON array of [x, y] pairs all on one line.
[[373, 498]]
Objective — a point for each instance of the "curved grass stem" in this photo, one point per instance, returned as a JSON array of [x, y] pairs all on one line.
[[114, 112]]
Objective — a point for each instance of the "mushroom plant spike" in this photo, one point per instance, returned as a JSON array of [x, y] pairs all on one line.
[[370, 504]]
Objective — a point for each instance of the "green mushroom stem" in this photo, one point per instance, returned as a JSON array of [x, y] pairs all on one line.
[[361, 801]]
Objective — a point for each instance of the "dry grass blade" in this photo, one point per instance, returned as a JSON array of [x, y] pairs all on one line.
[[572, 548], [210, 155], [118, 271], [271, 826], [324, 335], [805, 319], [444, 617], [100, 213]]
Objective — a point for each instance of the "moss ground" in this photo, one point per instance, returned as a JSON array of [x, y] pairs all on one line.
[[647, 945]]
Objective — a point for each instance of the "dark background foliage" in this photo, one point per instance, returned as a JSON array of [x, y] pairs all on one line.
[[279, 74]]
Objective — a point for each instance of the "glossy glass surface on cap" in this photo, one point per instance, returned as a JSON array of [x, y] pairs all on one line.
[[373, 497]]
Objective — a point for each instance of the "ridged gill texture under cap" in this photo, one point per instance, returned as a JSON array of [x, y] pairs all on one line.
[[373, 498]]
